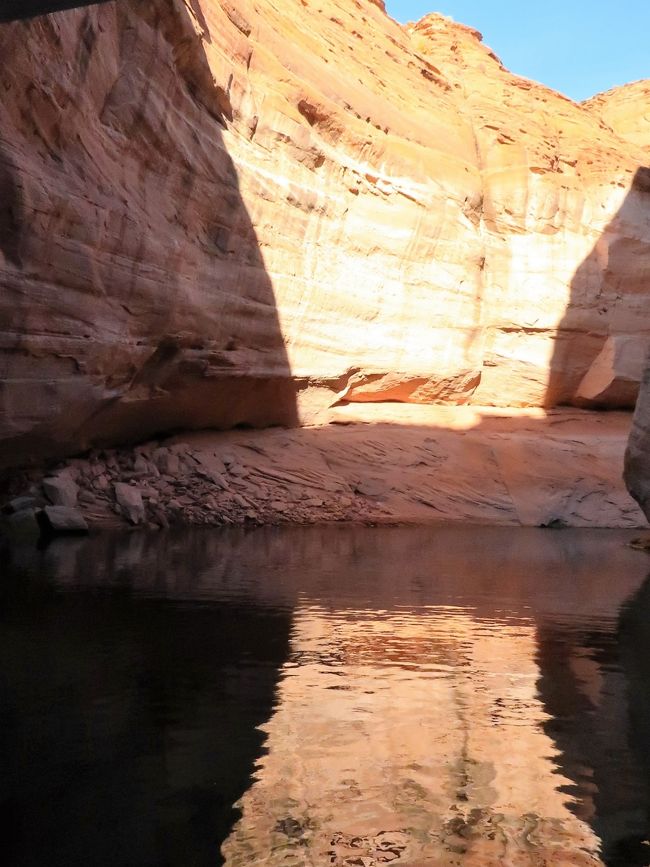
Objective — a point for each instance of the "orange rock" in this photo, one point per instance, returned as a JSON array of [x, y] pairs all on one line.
[[221, 213]]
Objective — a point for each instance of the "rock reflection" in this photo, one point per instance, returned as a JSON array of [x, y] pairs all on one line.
[[595, 686], [431, 696], [409, 736], [632, 848], [128, 726]]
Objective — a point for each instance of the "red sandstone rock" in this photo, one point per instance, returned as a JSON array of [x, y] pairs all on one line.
[[381, 463], [222, 213]]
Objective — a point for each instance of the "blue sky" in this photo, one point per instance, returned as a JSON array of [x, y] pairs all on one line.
[[579, 47]]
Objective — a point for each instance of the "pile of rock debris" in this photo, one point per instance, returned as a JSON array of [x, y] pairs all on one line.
[[157, 486]]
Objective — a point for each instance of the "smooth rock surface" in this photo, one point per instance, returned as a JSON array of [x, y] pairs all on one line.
[[382, 463], [21, 525], [624, 110], [61, 490], [61, 519], [221, 213], [20, 504], [130, 501]]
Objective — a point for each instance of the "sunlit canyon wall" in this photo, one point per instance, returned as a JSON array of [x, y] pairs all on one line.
[[219, 213]]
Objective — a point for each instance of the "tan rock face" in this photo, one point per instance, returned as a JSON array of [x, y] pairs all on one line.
[[625, 110], [219, 213], [565, 227], [376, 463]]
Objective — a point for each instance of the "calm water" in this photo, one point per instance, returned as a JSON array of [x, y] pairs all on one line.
[[327, 696]]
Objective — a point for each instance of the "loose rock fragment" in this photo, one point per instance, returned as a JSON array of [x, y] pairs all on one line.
[[62, 519], [370, 488], [129, 499], [22, 525], [19, 504], [61, 490]]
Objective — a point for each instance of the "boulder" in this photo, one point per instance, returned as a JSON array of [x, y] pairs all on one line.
[[61, 519], [145, 467], [370, 488], [61, 490], [19, 504], [129, 499], [22, 525], [166, 462]]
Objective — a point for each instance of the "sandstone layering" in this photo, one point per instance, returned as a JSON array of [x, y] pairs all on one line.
[[442, 465], [221, 213]]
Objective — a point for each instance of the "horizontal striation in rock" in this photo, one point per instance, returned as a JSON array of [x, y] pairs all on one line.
[[220, 214]]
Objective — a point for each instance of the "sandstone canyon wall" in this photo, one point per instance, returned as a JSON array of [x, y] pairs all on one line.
[[219, 214]]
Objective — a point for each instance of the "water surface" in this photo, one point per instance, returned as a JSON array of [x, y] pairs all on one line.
[[342, 696]]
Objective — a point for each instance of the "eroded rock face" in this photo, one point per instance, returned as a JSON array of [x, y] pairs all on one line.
[[219, 213], [135, 295], [565, 225], [375, 464], [637, 454], [625, 110]]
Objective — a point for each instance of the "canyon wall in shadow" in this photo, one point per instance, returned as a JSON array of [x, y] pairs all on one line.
[[600, 350], [135, 295]]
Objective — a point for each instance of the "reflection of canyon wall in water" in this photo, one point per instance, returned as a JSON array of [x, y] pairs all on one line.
[[594, 686], [129, 725], [421, 707], [412, 735], [414, 725]]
